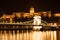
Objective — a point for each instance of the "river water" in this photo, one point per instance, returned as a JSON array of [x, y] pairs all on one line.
[[27, 35]]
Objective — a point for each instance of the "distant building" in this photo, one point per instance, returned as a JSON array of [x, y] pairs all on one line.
[[28, 15], [56, 15]]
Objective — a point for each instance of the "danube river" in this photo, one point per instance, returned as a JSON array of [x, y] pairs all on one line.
[[28, 35]]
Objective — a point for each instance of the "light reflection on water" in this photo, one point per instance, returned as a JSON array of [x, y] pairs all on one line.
[[27, 35]]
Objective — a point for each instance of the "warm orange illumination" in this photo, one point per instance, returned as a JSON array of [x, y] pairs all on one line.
[[37, 27], [31, 10], [57, 15], [49, 15], [18, 14], [26, 15]]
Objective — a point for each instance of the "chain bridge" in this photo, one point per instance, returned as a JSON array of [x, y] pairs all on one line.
[[26, 25]]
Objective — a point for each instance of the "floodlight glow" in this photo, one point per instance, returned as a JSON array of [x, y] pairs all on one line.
[[37, 27], [37, 20]]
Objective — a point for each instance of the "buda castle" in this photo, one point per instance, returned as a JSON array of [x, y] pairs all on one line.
[[28, 15]]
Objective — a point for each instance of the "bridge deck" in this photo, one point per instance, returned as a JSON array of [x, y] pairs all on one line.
[[18, 24], [27, 24], [10, 26]]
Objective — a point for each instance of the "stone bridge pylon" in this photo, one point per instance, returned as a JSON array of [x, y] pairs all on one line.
[[36, 21]]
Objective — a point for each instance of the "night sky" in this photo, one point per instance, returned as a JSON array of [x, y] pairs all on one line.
[[8, 6]]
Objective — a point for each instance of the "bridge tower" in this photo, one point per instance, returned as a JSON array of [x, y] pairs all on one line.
[[37, 20]]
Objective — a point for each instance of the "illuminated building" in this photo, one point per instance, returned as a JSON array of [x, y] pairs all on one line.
[[31, 11], [57, 15], [28, 15]]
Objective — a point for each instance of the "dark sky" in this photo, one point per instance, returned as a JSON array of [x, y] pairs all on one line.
[[9, 6]]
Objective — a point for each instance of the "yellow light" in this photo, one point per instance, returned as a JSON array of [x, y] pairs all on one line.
[[57, 15], [37, 20], [44, 12], [37, 27]]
